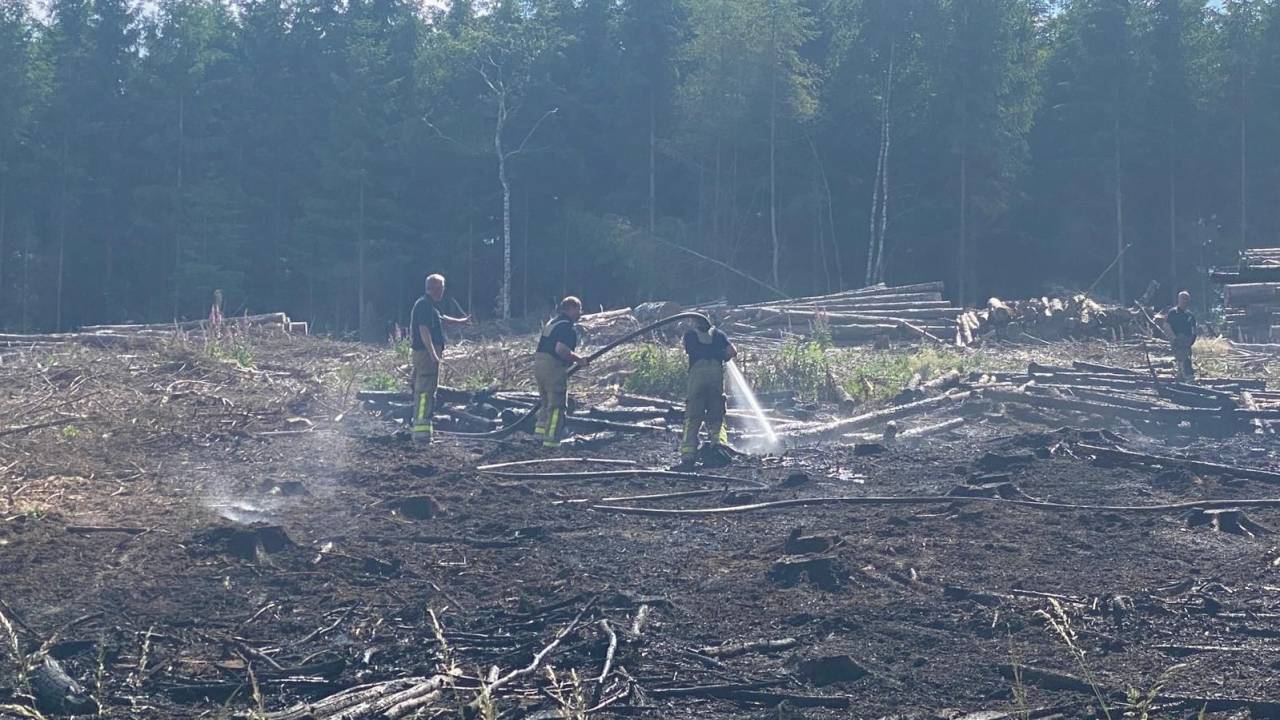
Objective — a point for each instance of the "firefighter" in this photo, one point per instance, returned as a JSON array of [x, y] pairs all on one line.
[[426, 331], [1180, 327], [708, 349], [551, 363]]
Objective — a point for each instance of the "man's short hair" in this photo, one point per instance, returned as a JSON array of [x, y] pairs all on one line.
[[436, 278], [570, 302]]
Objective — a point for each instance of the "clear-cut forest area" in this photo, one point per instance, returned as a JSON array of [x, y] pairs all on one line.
[[355, 358]]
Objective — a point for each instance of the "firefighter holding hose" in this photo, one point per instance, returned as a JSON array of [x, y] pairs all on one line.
[[551, 363], [427, 338], [708, 349]]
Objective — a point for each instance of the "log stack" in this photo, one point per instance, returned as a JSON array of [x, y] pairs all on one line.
[[117, 335], [853, 316], [1083, 395], [848, 317], [1251, 295], [1047, 318]]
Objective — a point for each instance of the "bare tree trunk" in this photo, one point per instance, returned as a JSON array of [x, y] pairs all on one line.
[[773, 174], [820, 242], [504, 295], [884, 179], [361, 319], [1244, 165], [962, 286], [1173, 214], [524, 267], [875, 209], [62, 233], [831, 220], [26, 283], [1119, 198], [880, 196], [177, 204], [471, 297], [718, 241], [4, 216], [653, 162]]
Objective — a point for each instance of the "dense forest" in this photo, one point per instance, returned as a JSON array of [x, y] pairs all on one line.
[[319, 156]]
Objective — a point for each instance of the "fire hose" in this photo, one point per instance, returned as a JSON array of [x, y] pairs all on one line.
[[521, 421]]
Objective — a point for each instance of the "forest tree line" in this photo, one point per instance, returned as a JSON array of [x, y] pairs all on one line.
[[319, 156]]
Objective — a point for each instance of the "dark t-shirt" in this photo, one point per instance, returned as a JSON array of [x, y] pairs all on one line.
[[717, 349], [426, 315], [1182, 322], [560, 330]]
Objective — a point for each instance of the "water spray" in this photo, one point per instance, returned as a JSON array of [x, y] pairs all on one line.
[[763, 438]]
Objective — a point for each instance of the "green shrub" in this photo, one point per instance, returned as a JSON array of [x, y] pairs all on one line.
[[403, 349], [657, 370], [234, 350], [881, 375], [803, 366], [381, 380]]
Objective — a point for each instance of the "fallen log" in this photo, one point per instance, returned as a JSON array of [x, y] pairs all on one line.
[[580, 422], [730, 650], [1055, 680], [103, 339], [839, 427], [541, 461], [740, 693], [281, 319], [1129, 456], [939, 500], [634, 400]]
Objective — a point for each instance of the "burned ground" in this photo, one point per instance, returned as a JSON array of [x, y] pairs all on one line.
[[188, 537]]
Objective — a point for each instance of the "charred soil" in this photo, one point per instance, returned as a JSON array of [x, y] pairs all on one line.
[[190, 537]]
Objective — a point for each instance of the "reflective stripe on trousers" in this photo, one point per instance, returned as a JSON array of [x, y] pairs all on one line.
[[422, 414]]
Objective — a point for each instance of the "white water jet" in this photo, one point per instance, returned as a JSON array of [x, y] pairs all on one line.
[[763, 439]]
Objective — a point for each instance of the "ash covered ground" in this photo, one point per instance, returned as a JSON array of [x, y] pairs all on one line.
[[194, 535]]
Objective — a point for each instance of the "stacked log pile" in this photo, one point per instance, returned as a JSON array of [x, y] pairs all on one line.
[[881, 312], [1046, 318], [115, 335], [1251, 295], [1083, 395], [853, 316]]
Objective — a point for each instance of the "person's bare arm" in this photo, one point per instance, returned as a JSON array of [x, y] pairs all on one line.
[[731, 352], [569, 356], [432, 352]]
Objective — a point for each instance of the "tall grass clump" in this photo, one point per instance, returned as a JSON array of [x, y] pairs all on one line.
[[657, 370]]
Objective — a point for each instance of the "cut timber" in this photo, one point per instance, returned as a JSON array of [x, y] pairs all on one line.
[[1128, 456], [730, 650], [839, 427], [1252, 294], [102, 339], [280, 319]]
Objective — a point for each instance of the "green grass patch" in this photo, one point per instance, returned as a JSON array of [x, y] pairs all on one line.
[[403, 350], [381, 380], [878, 376], [237, 351], [807, 367], [813, 369], [657, 370]]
